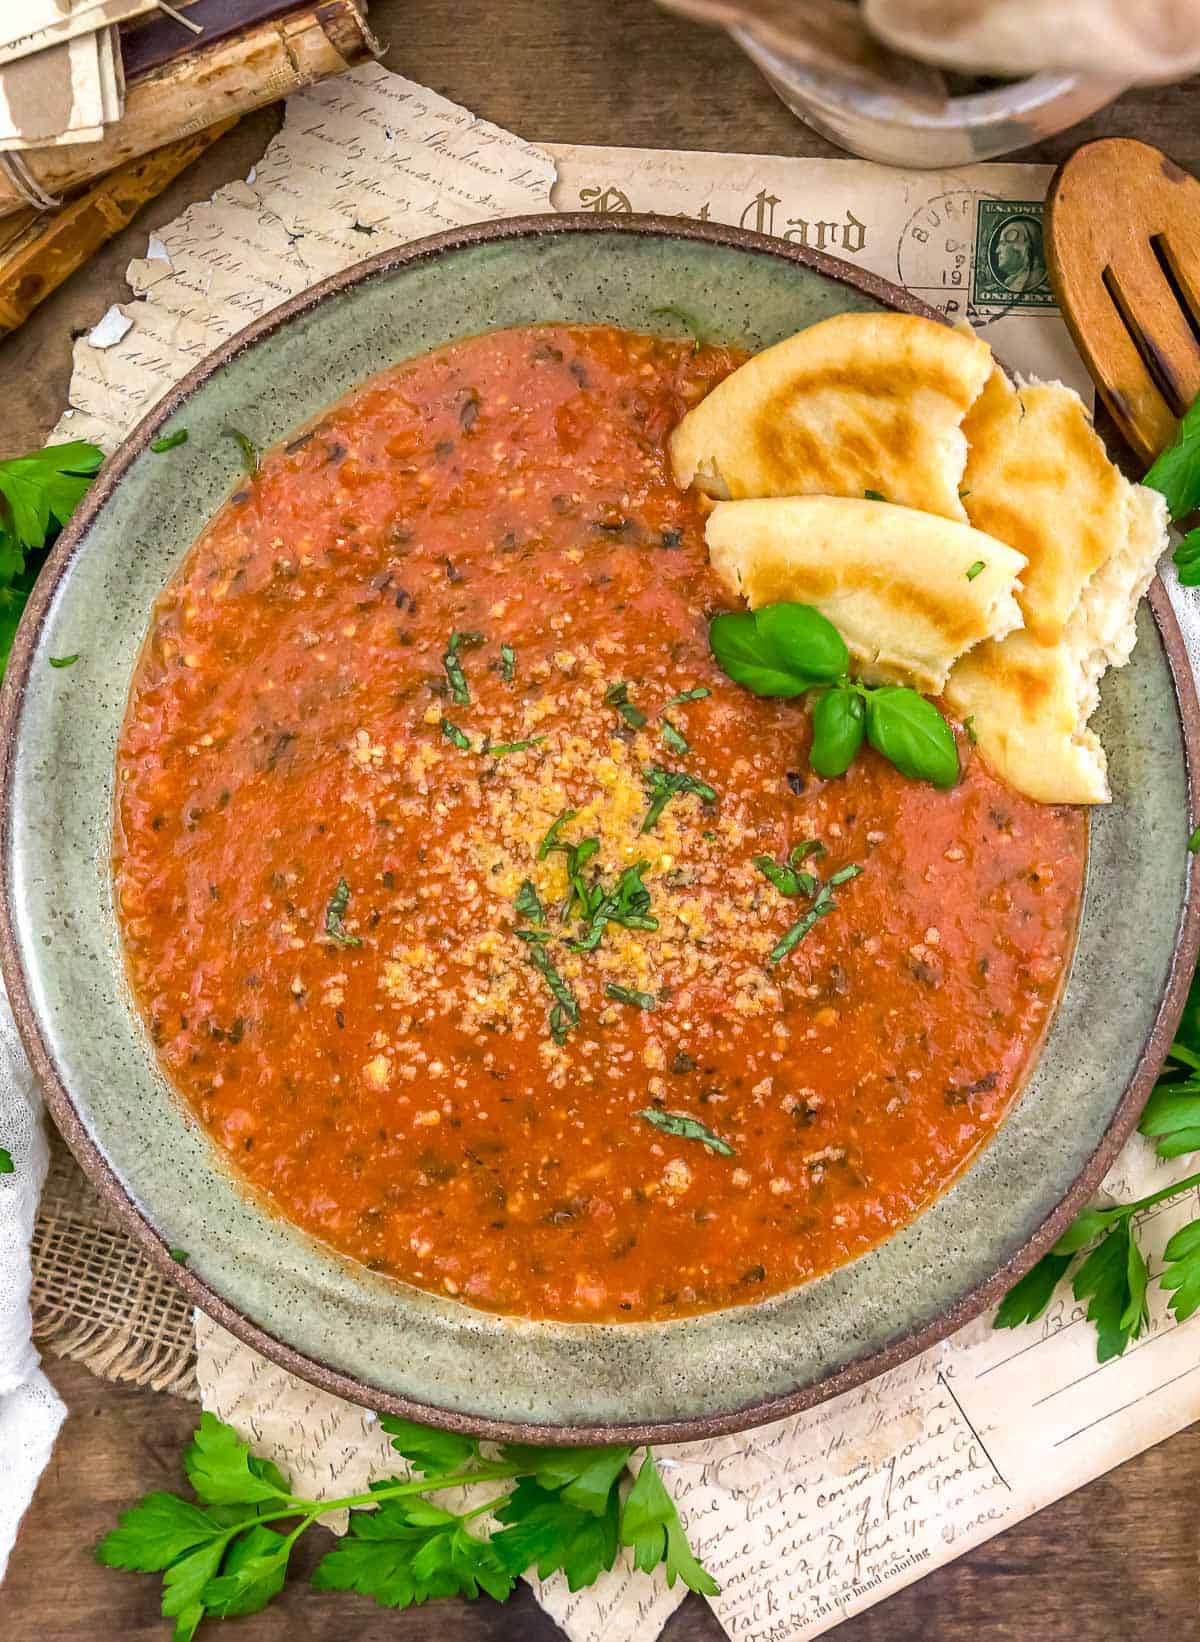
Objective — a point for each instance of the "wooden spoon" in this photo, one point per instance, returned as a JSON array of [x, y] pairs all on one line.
[[1123, 251]]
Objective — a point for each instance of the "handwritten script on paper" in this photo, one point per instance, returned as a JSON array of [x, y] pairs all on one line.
[[811, 1519]]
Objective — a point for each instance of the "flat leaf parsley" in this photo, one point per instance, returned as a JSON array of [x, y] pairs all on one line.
[[38, 494], [226, 1553]]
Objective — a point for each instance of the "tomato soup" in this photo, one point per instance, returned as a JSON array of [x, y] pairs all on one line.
[[443, 855]]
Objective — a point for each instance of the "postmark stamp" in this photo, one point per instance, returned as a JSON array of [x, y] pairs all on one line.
[[1010, 257]]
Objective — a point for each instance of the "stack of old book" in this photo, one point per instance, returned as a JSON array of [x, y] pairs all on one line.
[[103, 102]]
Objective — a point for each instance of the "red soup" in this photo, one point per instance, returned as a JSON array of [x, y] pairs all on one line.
[[437, 854]]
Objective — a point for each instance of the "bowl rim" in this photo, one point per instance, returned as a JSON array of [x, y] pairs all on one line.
[[61, 1104]]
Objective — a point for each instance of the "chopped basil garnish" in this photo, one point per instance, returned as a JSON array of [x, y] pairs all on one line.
[[687, 1128], [689, 322], [247, 447], [976, 569], [455, 676], [169, 441], [874, 496], [565, 1013], [698, 694], [528, 903], [663, 785], [629, 994], [508, 663], [821, 908], [1194, 842], [550, 841], [452, 733], [627, 903], [7, 1166], [64, 661], [335, 912], [180, 1256], [617, 695], [786, 879], [497, 749], [674, 739]]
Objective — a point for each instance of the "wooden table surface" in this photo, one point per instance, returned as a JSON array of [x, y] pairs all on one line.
[[1118, 1558]]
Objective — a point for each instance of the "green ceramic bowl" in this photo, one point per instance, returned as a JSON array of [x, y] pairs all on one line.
[[380, 1342]]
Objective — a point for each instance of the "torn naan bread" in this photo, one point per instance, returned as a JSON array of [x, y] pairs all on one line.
[[1039, 478], [854, 403], [1029, 702], [909, 592]]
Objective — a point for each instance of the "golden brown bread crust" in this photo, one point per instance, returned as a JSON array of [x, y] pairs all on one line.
[[894, 581], [854, 403], [1038, 477]]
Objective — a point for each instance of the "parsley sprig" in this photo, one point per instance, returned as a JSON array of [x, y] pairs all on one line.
[[1114, 1276], [38, 494], [226, 1553]]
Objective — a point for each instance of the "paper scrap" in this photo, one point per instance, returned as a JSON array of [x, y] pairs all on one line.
[[109, 330]]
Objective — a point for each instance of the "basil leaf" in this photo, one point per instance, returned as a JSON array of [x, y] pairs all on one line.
[[839, 723], [780, 650], [911, 734], [1176, 473]]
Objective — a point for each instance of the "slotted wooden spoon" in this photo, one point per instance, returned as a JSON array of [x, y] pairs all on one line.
[[1123, 251]]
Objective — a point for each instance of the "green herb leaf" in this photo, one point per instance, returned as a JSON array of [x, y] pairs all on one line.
[[223, 1471], [1194, 842], [427, 1449], [839, 724], [1181, 1273], [452, 733], [976, 569], [627, 903], [911, 734], [169, 441], [508, 663], [690, 323], [64, 661], [663, 785], [1176, 473], [684, 696], [874, 496], [791, 939], [155, 1533], [335, 912], [629, 995], [528, 903], [180, 1256], [45, 486], [7, 1166], [550, 841], [565, 1013], [253, 1573], [544, 1532], [584, 1477], [1187, 559], [617, 695], [1172, 1117], [407, 1551], [650, 1526], [1113, 1281], [687, 1128], [785, 878], [455, 676], [247, 447], [779, 650], [676, 741], [500, 749], [1028, 1298]]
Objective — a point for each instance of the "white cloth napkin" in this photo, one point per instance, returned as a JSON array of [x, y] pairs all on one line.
[[30, 1409]]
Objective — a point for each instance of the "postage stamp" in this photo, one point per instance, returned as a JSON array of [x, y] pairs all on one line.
[[1010, 258]]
